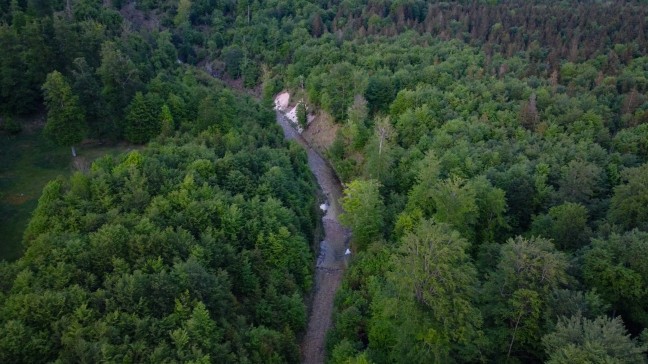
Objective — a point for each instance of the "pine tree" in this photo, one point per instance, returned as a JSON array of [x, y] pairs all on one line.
[[166, 119], [141, 122], [302, 115], [65, 118]]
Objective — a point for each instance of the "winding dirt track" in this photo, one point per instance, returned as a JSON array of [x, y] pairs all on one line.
[[331, 260]]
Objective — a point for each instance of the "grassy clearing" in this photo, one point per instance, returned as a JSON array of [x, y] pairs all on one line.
[[27, 162]]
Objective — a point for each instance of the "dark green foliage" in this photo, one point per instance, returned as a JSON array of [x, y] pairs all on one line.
[[19, 85], [233, 58], [302, 115], [86, 85], [482, 121], [155, 256], [517, 293], [566, 225], [142, 121], [379, 93], [349, 332], [337, 90], [65, 118], [250, 73], [120, 78], [10, 125], [165, 56], [167, 125]]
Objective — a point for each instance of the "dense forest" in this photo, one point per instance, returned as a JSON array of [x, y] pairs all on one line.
[[494, 156]]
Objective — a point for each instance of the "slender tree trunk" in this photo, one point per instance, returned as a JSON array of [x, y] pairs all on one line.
[[517, 323], [73, 151]]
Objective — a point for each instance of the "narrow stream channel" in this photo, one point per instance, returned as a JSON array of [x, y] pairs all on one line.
[[331, 259]]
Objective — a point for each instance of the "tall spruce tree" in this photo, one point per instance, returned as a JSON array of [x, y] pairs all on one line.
[[65, 118], [141, 122]]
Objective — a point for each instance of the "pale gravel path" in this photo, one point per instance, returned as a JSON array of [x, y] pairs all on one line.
[[331, 261]]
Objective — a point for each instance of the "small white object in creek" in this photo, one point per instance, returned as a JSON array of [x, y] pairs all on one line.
[[347, 252], [324, 207]]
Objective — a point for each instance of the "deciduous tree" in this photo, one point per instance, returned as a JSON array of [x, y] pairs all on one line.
[[433, 267], [629, 204], [602, 340], [363, 211]]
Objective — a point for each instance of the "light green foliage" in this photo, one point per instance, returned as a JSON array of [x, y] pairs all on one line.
[[358, 111], [615, 267], [342, 352], [633, 141], [414, 124], [602, 340], [182, 16], [532, 264], [475, 208], [433, 268], [65, 118], [589, 126], [167, 126], [427, 177], [356, 129], [165, 55], [353, 302], [629, 205], [454, 202], [399, 331], [379, 151], [492, 206], [363, 211]]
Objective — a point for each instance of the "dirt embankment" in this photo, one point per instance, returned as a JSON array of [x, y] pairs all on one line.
[[321, 132]]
